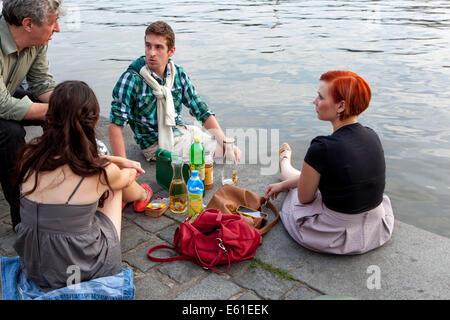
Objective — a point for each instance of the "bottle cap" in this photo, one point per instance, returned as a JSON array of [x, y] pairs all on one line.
[[194, 173], [196, 139]]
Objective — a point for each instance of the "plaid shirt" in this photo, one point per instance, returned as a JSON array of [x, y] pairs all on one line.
[[134, 103]]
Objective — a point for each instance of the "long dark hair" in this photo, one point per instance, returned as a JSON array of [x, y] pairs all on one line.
[[68, 138]]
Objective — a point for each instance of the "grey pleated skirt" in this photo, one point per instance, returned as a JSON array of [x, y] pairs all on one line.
[[320, 229]]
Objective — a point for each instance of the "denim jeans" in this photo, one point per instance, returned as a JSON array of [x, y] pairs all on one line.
[[15, 286]]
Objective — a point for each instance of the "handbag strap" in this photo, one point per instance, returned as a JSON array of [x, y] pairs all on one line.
[[222, 251], [199, 260], [163, 246], [269, 226]]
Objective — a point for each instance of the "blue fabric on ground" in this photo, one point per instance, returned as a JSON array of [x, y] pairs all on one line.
[[15, 286]]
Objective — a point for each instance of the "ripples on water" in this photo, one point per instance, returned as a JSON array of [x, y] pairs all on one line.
[[257, 64]]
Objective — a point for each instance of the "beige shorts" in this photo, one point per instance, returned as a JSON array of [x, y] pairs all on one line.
[[182, 143]]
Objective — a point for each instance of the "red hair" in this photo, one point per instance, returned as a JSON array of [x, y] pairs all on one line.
[[349, 87]]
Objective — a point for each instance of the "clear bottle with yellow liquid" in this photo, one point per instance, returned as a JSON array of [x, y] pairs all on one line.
[[230, 166], [178, 195]]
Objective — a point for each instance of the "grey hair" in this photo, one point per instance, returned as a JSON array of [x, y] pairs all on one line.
[[15, 11]]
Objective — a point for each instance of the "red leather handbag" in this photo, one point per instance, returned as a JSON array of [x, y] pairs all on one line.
[[213, 239]]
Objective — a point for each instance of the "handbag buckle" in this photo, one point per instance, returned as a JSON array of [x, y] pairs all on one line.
[[221, 246]]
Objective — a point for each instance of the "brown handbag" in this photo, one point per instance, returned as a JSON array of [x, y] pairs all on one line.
[[228, 199]]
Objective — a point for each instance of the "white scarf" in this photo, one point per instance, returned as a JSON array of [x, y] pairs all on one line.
[[165, 106]]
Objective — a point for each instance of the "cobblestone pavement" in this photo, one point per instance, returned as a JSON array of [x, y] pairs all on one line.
[[180, 279], [414, 264]]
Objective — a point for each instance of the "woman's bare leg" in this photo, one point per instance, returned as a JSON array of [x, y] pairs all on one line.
[[287, 171]]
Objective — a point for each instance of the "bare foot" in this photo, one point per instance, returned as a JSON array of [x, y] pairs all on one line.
[[285, 152]]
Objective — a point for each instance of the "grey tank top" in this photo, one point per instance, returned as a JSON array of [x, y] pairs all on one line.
[[60, 243]]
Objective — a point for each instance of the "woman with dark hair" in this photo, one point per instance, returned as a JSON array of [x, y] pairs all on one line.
[[71, 196], [336, 204]]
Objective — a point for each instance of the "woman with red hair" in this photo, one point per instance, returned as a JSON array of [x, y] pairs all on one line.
[[336, 204]]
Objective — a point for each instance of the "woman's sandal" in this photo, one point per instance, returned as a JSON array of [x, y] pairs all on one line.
[[139, 206]]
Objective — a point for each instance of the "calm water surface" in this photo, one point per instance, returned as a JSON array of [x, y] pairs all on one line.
[[257, 64]]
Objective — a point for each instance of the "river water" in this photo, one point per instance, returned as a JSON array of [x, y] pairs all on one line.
[[257, 64]]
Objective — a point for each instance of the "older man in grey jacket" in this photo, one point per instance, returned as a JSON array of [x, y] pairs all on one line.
[[26, 27]]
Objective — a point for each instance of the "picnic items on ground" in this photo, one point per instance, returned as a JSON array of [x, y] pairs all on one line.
[[229, 198], [209, 171], [213, 239], [197, 157], [229, 169], [164, 169], [178, 189], [157, 207], [195, 195], [229, 230], [172, 174]]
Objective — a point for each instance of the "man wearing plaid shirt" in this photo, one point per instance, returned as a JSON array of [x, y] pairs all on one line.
[[134, 101]]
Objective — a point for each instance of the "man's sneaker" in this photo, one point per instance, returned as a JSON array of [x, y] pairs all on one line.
[[139, 206]]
